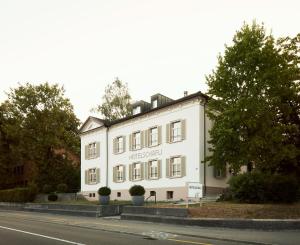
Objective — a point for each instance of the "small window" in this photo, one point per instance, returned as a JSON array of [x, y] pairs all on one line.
[[153, 136], [176, 131], [92, 176], [90, 194], [176, 167], [137, 140], [92, 150], [120, 170], [154, 103], [120, 144], [94, 195], [118, 194], [136, 110], [153, 168], [152, 193], [137, 171], [169, 195]]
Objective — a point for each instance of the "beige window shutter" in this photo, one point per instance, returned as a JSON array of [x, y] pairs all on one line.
[[115, 145], [183, 129], [168, 174], [159, 168], [130, 141], [142, 139], [159, 135], [130, 172], [147, 137], [142, 170], [98, 175], [86, 177], [98, 149], [147, 173], [183, 166], [168, 128], [124, 143], [86, 152], [114, 174], [124, 173]]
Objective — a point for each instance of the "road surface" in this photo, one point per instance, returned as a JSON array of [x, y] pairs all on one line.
[[35, 228]]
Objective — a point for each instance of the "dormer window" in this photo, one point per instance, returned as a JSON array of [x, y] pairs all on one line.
[[136, 110], [154, 103]]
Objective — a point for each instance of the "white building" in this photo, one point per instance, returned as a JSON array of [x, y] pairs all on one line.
[[161, 147]]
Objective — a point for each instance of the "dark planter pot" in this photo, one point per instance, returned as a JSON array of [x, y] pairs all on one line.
[[137, 200], [104, 200]]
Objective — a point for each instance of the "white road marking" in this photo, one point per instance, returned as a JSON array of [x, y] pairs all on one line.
[[39, 235]]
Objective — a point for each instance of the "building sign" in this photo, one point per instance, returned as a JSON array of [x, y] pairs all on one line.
[[195, 189], [145, 154]]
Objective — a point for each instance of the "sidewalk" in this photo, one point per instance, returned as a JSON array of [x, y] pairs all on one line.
[[157, 230]]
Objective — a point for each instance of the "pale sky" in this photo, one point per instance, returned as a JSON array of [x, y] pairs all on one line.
[[156, 46]]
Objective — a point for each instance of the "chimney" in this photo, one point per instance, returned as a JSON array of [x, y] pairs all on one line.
[[185, 93]]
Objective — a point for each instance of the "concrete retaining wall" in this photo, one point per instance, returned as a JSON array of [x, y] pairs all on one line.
[[61, 197], [77, 210], [174, 212]]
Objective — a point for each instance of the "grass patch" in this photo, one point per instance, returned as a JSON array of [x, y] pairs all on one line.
[[246, 211]]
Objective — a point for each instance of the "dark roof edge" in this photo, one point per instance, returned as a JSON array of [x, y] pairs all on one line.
[[91, 117], [173, 102]]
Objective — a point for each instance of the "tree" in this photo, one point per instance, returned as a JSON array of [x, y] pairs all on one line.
[[115, 102], [255, 103], [44, 121]]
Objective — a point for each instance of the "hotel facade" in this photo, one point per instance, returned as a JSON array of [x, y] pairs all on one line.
[[162, 147]]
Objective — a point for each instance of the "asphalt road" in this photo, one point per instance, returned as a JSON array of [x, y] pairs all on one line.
[[33, 228]]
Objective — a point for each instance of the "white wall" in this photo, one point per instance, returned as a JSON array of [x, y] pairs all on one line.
[[188, 147], [100, 162]]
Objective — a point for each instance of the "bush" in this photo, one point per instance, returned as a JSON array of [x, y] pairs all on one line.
[[104, 191], [226, 195], [248, 187], [47, 189], [137, 190], [17, 195], [62, 188], [257, 187], [52, 197], [282, 189]]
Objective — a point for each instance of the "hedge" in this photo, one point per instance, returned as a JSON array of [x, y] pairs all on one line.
[[18, 195], [258, 187]]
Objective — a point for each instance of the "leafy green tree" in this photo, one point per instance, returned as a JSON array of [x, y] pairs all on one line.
[[115, 101], [44, 122], [255, 102]]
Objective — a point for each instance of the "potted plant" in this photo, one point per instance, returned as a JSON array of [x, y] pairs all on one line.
[[137, 194], [104, 193]]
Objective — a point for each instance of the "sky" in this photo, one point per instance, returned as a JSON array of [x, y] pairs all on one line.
[[156, 46]]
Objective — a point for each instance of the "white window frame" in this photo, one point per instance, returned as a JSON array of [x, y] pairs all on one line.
[[119, 173], [153, 136], [92, 150], [136, 171], [175, 167], [176, 134], [137, 145], [120, 144], [136, 110], [153, 170], [92, 175], [154, 103]]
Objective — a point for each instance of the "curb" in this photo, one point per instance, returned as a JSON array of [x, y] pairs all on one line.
[[257, 224]]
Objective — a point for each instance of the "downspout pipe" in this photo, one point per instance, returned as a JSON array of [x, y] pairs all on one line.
[[107, 129], [204, 146]]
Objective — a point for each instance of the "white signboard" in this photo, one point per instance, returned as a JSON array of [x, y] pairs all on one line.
[[195, 190]]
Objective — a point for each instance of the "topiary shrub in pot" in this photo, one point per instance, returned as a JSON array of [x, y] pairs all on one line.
[[104, 193], [52, 197], [137, 195]]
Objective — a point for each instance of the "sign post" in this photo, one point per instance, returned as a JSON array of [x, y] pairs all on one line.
[[195, 190]]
